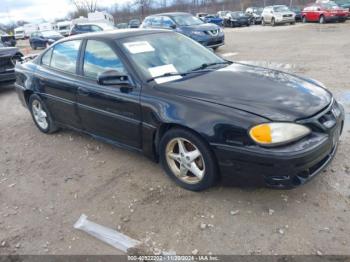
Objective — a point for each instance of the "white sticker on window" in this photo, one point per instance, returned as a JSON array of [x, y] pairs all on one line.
[[161, 70], [139, 47]]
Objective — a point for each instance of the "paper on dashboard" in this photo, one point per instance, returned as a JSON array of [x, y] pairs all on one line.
[[161, 70]]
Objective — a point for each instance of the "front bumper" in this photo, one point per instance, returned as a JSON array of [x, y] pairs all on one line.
[[334, 18], [281, 167], [284, 20], [7, 76], [213, 42]]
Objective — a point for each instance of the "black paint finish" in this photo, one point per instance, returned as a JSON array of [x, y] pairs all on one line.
[[220, 106]]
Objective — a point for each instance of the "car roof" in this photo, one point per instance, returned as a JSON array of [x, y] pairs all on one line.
[[116, 34], [171, 14]]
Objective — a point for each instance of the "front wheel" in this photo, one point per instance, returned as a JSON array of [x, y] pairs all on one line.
[[304, 19], [273, 23], [187, 159], [41, 115], [322, 20], [263, 22]]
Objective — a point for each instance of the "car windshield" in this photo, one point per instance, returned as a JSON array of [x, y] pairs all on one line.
[[281, 8], [187, 20], [239, 13], [330, 5], [49, 33], [160, 53]]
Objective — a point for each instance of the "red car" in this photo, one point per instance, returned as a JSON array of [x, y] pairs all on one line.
[[324, 12]]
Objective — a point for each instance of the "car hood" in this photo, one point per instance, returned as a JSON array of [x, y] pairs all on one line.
[[8, 51], [201, 27], [272, 94]]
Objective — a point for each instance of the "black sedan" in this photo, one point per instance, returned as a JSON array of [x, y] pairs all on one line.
[[234, 19], [43, 38], [204, 118], [8, 58]]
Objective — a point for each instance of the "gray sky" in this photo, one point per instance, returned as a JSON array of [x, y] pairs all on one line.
[[32, 10]]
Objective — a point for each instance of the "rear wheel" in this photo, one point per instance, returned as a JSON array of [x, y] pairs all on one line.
[[187, 159], [322, 20], [41, 115]]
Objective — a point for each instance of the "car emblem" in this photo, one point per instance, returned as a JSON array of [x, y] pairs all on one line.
[[214, 32]]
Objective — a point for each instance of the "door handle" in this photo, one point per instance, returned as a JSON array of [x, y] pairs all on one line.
[[82, 91]]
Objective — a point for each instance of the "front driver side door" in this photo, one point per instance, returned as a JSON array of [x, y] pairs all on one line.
[[107, 111]]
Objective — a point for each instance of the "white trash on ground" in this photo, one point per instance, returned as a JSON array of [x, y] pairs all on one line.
[[105, 234]]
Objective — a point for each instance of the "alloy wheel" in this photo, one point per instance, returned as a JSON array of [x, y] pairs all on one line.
[[185, 160], [39, 114]]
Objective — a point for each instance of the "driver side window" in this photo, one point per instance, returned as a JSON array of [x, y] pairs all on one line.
[[167, 22], [99, 57]]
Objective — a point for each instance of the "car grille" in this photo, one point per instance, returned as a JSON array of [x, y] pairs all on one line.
[[290, 15], [6, 63], [213, 32], [325, 120]]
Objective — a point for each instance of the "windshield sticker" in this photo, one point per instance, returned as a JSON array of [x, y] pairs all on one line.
[[161, 70], [139, 47]]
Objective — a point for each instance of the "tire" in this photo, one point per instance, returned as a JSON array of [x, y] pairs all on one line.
[[322, 20], [304, 20], [35, 105], [263, 22], [172, 160], [273, 21], [232, 24], [215, 48], [292, 23]]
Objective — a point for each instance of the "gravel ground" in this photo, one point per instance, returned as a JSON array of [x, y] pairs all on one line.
[[48, 181]]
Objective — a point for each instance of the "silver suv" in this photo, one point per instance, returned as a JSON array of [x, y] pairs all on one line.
[[277, 14]]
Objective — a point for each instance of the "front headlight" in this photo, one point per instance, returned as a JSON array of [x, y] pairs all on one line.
[[273, 134]]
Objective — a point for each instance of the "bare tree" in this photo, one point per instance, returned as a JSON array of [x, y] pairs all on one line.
[[85, 5]]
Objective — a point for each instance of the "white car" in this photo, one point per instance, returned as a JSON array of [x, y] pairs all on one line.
[[277, 14]]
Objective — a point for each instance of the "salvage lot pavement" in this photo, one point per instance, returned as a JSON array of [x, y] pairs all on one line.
[[48, 181]]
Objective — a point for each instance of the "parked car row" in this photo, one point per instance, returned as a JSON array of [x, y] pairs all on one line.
[[207, 34], [322, 11]]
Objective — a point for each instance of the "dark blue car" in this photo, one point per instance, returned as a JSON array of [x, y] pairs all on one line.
[[213, 20], [43, 38], [209, 35]]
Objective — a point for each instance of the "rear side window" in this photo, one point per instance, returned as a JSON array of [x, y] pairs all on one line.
[[84, 28], [46, 59], [95, 28], [65, 55], [99, 57], [167, 22]]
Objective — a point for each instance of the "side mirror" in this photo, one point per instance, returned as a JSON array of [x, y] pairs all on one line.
[[271, 12], [318, 9], [173, 26], [113, 77]]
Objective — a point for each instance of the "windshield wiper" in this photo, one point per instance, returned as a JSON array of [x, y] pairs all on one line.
[[173, 74], [164, 75], [206, 65]]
